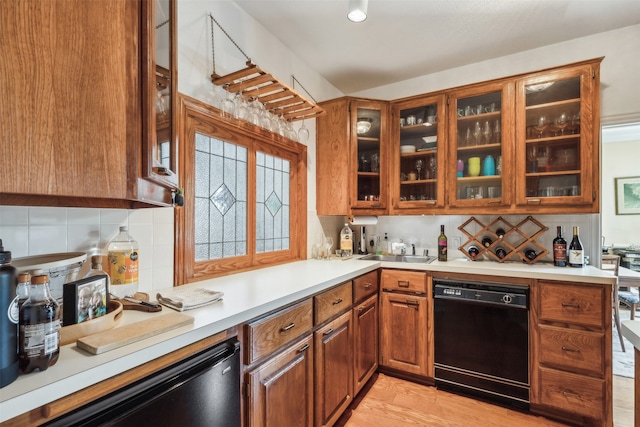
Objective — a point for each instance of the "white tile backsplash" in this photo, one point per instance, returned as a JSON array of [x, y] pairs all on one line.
[[27, 231]]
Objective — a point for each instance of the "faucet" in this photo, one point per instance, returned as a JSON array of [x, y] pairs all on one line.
[[413, 249]]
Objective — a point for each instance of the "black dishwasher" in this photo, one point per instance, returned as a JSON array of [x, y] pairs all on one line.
[[202, 390]]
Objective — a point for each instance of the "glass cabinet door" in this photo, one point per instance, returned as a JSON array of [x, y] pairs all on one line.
[[369, 130], [553, 139], [419, 132], [478, 137]]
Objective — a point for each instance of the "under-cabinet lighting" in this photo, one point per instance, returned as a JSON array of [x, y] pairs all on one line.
[[357, 10]]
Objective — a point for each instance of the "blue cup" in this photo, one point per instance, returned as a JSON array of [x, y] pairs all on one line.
[[489, 166]]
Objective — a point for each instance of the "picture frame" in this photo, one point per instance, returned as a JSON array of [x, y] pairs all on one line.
[[85, 299], [628, 195]]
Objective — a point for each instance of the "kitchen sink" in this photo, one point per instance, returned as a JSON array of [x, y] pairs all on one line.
[[400, 258]]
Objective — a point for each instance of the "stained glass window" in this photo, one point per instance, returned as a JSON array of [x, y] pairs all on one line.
[[272, 203], [220, 199]]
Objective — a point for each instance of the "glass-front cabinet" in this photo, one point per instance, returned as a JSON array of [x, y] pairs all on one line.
[[418, 153], [369, 153], [480, 141], [555, 158]]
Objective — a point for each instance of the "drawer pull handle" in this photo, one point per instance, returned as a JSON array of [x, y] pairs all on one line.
[[403, 283], [361, 309], [304, 348], [367, 285], [288, 327], [533, 201], [570, 393], [570, 304], [414, 303], [573, 350], [338, 301], [329, 332]]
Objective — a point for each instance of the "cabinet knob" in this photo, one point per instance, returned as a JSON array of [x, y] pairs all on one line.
[[367, 285]]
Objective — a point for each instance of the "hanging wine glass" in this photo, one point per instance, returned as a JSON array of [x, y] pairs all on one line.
[[265, 119], [291, 132], [255, 110], [161, 105], [241, 106], [227, 105], [303, 133]]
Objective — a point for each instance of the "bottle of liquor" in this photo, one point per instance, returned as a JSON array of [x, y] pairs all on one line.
[[346, 240], [576, 254], [442, 245], [559, 249]]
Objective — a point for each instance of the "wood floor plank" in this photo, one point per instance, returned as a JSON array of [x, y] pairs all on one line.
[[392, 402]]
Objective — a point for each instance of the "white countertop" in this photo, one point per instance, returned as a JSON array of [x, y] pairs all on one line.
[[246, 295], [631, 331]]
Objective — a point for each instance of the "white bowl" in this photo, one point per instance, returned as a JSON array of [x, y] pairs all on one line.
[[404, 149]]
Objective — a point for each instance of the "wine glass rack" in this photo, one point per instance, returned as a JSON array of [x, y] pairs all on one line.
[[516, 240]]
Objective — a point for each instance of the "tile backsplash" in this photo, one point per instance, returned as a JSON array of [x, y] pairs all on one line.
[[27, 231]]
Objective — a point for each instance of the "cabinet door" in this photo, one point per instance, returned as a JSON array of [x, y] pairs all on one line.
[[281, 389], [481, 146], [556, 157], [365, 343], [369, 151], [403, 332], [419, 147], [333, 370]]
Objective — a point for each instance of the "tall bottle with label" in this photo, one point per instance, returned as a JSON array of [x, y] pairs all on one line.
[[576, 253], [559, 249], [442, 245], [8, 319], [123, 264], [39, 327], [346, 240]]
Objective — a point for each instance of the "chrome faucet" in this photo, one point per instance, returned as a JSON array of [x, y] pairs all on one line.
[[413, 249]]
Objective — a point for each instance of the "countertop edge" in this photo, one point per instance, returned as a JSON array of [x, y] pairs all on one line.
[[631, 330]]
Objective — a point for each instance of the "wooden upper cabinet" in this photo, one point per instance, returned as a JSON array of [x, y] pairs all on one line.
[[557, 139], [479, 166], [352, 159], [70, 82], [418, 154]]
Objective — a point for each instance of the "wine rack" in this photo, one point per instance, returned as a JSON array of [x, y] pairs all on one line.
[[517, 241]]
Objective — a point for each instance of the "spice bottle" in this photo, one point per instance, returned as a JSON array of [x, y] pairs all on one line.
[[39, 327], [8, 319]]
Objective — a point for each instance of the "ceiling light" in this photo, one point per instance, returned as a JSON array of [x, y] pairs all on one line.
[[357, 10], [363, 125]]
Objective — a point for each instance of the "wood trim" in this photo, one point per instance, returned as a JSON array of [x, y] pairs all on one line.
[[196, 116], [82, 397]]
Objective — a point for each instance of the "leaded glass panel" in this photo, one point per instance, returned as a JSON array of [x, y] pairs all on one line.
[[272, 203]]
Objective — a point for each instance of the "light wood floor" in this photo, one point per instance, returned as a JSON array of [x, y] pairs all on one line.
[[393, 402]]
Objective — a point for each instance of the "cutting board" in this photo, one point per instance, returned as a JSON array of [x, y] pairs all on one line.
[[118, 337]]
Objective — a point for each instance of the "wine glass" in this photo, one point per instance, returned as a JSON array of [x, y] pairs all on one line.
[[497, 130], [486, 132], [575, 123], [477, 133], [419, 166], [432, 167], [328, 244], [541, 125], [561, 122], [303, 133], [227, 105], [255, 110], [241, 106]]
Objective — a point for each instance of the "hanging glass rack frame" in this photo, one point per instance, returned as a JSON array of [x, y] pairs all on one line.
[[256, 83]]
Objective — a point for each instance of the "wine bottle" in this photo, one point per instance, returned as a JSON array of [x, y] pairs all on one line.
[[576, 254], [442, 245], [559, 249]]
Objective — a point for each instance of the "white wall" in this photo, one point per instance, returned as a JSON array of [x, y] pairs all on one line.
[[619, 159]]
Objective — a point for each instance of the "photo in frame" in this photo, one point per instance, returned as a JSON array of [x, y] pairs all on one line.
[[628, 195], [85, 299]]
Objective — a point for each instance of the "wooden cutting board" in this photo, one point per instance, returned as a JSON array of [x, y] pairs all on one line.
[[118, 337]]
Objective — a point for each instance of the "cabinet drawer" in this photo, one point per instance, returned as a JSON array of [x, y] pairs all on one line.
[[572, 392], [272, 332], [400, 280], [580, 305], [332, 302], [571, 349], [364, 286]]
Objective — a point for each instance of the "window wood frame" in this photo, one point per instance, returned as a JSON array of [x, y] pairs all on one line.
[[198, 117]]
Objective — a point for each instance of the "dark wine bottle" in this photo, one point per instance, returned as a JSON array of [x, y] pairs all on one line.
[[500, 252], [559, 249], [576, 253], [473, 252], [442, 245], [486, 242]]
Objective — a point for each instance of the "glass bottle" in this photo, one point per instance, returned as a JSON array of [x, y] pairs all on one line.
[[576, 253], [442, 245], [39, 327], [559, 249], [8, 319], [346, 240], [96, 267], [123, 267], [22, 290]]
